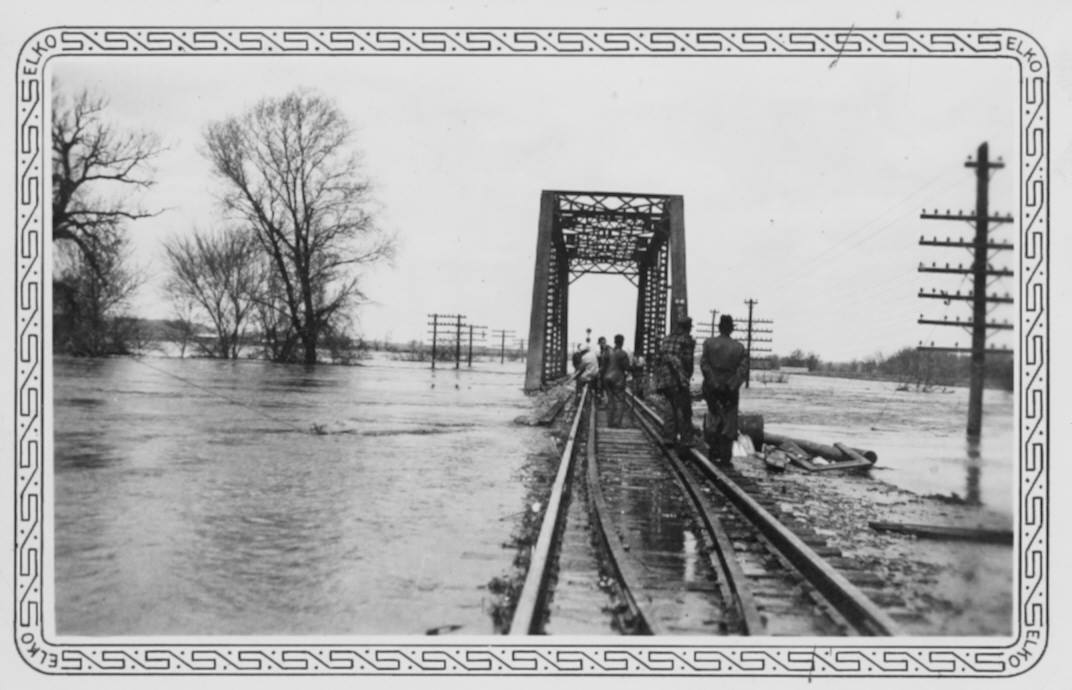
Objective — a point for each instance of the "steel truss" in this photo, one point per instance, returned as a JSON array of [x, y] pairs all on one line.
[[637, 236]]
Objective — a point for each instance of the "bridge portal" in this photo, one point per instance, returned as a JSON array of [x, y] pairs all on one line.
[[638, 236]]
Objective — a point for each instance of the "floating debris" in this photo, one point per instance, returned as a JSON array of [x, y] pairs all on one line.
[[990, 536], [443, 629]]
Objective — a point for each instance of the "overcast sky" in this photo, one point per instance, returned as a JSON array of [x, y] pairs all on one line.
[[802, 181]]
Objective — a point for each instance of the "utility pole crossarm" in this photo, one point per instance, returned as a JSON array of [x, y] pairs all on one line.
[[967, 324], [961, 242], [984, 161], [960, 270], [942, 295], [964, 216], [989, 351]]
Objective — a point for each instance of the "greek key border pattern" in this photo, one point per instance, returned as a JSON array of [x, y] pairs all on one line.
[[844, 658]]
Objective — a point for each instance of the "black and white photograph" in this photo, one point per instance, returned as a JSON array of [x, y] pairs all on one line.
[[514, 345]]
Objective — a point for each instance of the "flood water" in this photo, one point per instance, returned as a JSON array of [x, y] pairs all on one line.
[[202, 505], [191, 498], [919, 436]]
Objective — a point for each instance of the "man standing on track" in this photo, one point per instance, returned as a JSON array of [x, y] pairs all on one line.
[[618, 363], [672, 374], [724, 364], [588, 374], [603, 354]]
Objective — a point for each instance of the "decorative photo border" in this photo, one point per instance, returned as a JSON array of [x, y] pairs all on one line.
[[838, 657]]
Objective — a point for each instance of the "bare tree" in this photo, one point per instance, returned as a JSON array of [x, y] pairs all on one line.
[[89, 300], [95, 166], [183, 327], [278, 337], [223, 273], [292, 177]]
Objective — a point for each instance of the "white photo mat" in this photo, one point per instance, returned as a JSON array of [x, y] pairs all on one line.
[[498, 656]]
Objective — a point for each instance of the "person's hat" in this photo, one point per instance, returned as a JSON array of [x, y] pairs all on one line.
[[684, 321], [725, 321]]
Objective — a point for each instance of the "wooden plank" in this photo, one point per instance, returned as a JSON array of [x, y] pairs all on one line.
[[990, 536], [849, 465], [812, 448], [776, 460], [857, 459], [799, 457], [796, 454]]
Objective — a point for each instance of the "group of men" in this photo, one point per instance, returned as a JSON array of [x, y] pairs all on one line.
[[605, 370], [724, 364]]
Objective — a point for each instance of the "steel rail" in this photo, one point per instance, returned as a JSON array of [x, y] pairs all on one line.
[[731, 578], [624, 566], [845, 597], [530, 602]]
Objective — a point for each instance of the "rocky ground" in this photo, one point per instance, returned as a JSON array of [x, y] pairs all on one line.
[[950, 587]]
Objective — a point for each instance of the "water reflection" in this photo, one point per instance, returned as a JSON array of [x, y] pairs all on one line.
[[974, 466]]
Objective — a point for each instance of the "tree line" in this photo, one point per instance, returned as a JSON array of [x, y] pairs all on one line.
[[282, 266], [908, 366]]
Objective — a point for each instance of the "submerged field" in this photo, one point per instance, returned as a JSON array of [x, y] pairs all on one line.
[[209, 497]]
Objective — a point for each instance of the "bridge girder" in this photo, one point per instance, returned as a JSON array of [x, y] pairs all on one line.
[[638, 236]]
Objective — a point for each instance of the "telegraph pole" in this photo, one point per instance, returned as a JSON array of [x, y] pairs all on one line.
[[981, 271], [707, 326], [503, 335], [471, 329], [438, 324], [443, 320], [458, 343], [752, 331], [435, 335], [760, 331], [748, 375], [713, 321]]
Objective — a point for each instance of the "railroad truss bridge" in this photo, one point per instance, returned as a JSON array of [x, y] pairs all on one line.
[[638, 236]]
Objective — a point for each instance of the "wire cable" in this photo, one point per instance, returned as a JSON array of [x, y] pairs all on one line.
[[141, 359]]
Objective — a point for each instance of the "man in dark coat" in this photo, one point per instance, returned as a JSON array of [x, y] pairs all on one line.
[[614, 374], [603, 355], [724, 364], [672, 374]]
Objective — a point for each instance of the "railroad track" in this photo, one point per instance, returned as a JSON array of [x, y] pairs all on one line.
[[677, 545]]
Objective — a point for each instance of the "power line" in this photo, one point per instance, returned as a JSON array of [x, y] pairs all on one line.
[[808, 264], [439, 324]]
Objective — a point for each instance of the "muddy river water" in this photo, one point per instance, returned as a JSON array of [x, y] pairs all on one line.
[[203, 497]]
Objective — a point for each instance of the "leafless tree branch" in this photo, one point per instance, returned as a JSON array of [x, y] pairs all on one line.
[[291, 176]]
